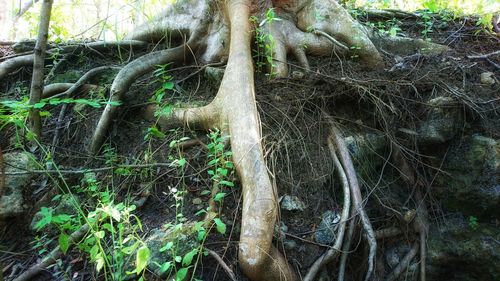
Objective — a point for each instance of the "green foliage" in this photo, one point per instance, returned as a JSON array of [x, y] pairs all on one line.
[[264, 41], [473, 223]]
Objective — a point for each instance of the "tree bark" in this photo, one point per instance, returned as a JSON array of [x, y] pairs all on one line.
[[38, 67]]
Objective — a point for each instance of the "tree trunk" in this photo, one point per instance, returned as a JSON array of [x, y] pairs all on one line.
[[38, 68]]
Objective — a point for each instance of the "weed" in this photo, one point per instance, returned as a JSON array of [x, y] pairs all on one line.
[[265, 43]]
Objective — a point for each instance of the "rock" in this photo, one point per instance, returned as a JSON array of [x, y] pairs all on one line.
[[458, 252], [443, 121], [197, 201], [487, 78], [214, 75], [12, 203], [365, 149], [292, 203], [298, 75], [470, 183], [325, 234]]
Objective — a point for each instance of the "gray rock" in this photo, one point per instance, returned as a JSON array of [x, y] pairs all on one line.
[[487, 78], [443, 121], [457, 251], [470, 183], [12, 203], [292, 203], [325, 234], [365, 149]]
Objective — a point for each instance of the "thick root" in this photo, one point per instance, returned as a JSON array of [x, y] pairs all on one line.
[[124, 80]]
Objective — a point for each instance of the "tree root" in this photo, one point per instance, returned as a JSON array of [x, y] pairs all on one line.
[[332, 253], [346, 161], [56, 89], [124, 80], [405, 262], [11, 64], [83, 80], [226, 268], [52, 257]]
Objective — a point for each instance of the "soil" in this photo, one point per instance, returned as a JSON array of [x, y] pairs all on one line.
[[378, 101]]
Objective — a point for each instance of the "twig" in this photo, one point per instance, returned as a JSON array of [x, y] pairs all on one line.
[[83, 171], [333, 40], [226, 268], [405, 262], [52, 257], [485, 55]]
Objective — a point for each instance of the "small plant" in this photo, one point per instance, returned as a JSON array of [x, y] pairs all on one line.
[[265, 43], [473, 224]]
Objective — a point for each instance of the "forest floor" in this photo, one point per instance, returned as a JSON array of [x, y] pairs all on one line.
[[386, 103]]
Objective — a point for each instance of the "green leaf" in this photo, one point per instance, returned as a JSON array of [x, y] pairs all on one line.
[[99, 234], [46, 218], [142, 259], [60, 219], [227, 183], [181, 274], [221, 226], [167, 246], [64, 242], [188, 258], [39, 105], [165, 266], [168, 85], [219, 196], [178, 258], [130, 249]]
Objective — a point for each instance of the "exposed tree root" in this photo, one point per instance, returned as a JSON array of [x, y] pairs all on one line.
[[52, 257], [224, 265], [304, 27], [84, 79], [56, 89], [12, 64], [125, 78], [333, 252], [346, 161], [405, 262]]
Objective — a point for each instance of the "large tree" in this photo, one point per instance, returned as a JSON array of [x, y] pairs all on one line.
[[223, 31]]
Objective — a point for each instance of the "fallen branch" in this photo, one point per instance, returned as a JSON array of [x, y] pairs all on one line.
[[485, 55], [52, 257]]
